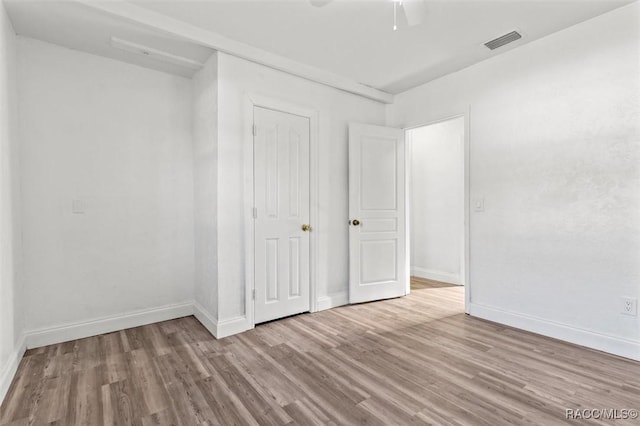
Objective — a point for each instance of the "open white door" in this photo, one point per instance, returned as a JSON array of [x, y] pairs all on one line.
[[377, 233]]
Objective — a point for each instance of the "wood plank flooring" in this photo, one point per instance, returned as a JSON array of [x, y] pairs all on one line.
[[413, 360], [422, 283]]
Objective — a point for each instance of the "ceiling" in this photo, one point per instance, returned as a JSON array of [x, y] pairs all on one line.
[[355, 38], [350, 38]]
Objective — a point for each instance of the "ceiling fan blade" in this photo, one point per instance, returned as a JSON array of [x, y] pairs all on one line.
[[320, 3], [415, 11]]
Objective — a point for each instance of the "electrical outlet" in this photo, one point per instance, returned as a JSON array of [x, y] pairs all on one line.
[[630, 306]]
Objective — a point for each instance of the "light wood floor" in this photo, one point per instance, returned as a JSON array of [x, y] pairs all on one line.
[[413, 360]]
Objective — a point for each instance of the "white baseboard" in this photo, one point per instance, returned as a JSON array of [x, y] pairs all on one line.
[[431, 274], [223, 328], [232, 326], [8, 371], [332, 300], [602, 342], [80, 330], [205, 318]]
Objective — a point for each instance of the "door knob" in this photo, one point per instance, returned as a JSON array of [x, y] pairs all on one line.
[[306, 228], [355, 222]]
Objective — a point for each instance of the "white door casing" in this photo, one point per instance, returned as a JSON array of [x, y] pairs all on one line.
[[281, 200], [378, 267]]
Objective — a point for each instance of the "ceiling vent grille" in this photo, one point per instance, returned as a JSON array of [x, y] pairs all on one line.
[[502, 40]]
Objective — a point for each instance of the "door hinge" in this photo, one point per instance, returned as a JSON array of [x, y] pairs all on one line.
[[254, 130], [253, 294], [255, 212]]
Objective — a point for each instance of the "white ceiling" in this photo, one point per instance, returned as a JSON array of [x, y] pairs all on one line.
[[355, 38], [350, 38]]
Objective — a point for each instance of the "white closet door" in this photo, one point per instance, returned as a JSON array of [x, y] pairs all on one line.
[[281, 188]]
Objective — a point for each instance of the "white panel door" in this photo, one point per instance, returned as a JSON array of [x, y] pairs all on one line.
[[281, 200], [377, 238]]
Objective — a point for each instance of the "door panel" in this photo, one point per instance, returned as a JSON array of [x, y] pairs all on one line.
[[378, 171], [294, 268], [281, 199], [377, 240], [378, 261]]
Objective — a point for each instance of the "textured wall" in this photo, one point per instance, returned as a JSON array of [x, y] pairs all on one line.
[[205, 143], [116, 139], [555, 153], [11, 300]]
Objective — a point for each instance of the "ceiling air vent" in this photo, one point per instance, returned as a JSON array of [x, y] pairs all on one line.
[[502, 40]]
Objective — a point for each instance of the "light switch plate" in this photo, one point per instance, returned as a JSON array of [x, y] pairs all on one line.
[[478, 205], [77, 206]]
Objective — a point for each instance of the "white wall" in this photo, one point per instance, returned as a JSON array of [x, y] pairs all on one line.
[[237, 78], [437, 200], [11, 307], [205, 138], [555, 153], [117, 138]]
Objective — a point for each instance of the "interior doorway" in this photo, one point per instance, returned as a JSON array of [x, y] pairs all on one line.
[[436, 202]]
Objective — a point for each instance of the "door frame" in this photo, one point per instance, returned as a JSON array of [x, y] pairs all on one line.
[[251, 101], [466, 249]]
